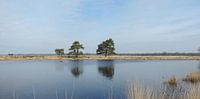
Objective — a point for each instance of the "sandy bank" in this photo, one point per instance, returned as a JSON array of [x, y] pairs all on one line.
[[96, 57]]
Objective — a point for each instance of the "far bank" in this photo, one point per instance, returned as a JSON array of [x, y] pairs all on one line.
[[100, 57]]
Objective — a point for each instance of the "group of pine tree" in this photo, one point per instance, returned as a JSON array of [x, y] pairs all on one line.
[[106, 48]]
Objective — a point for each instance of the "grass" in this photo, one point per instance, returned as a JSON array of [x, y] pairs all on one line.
[[139, 91], [172, 81], [194, 92], [193, 77], [172, 89]]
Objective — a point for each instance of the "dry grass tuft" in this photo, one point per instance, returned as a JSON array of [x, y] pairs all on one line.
[[138, 91], [172, 81], [193, 92], [193, 77]]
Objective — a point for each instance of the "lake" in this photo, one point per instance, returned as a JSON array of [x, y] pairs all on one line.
[[86, 79]]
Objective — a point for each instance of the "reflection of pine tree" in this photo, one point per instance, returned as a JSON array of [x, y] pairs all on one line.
[[107, 71], [76, 68], [106, 68], [76, 71]]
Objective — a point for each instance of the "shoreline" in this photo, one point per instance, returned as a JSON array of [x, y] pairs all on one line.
[[100, 57]]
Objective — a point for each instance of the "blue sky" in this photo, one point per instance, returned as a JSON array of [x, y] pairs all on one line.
[[40, 26]]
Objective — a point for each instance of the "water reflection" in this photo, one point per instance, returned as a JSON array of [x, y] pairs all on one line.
[[76, 68], [199, 65], [59, 66], [106, 68], [17, 77]]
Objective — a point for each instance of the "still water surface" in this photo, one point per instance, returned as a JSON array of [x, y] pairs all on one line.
[[88, 79]]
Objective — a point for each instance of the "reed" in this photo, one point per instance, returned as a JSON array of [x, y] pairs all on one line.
[[172, 81], [193, 92], [193, 77], [139, 91]]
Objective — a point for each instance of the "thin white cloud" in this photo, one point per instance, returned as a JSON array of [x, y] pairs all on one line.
[[25, 25]]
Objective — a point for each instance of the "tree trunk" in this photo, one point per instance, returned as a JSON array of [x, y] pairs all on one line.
[[106, 53], [77, 53]]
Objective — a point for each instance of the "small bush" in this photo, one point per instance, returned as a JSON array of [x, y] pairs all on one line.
[[172, 81], [193, 77]]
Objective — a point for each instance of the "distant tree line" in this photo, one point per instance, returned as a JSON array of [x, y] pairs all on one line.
[[106, 48]]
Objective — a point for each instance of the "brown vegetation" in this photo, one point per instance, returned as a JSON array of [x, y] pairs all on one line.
[[98, 57], [193, 77], [172, 81], [139, 91]]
